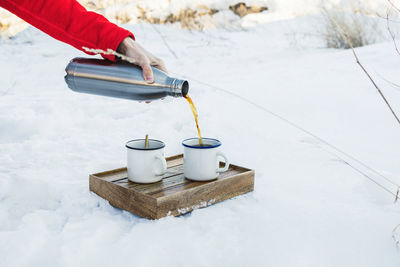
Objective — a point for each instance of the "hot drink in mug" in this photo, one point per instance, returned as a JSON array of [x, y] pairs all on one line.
[[146, 164], [201, 161]]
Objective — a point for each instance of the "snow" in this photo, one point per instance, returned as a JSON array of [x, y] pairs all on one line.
[[133, 11], [309, 207]]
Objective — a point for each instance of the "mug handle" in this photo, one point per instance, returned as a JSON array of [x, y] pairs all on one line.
[[226, 167], [164, 165]]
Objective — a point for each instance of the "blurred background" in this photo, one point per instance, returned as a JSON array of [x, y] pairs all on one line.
[[366, 19]]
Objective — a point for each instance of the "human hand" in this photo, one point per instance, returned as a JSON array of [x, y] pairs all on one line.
[[141, 57]]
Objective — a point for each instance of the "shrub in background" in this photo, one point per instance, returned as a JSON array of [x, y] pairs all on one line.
[[361, 28]]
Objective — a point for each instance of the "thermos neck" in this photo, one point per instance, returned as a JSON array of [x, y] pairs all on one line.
[[179, 88]]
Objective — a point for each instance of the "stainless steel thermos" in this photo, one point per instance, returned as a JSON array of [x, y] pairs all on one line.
[[121, 80]]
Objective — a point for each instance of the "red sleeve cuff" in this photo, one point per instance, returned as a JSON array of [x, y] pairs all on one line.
[[70, 22], [114, 39]]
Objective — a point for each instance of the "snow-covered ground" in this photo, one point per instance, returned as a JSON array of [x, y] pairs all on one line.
[[309, 207]]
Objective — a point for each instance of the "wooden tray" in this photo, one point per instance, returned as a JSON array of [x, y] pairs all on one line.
[[174, 194]]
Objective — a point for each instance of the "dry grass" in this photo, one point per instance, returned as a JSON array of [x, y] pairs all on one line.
[[188, 18], [241, 9], [196, 18], [125, 11], [360, 28], [4, 26], [348, 39]]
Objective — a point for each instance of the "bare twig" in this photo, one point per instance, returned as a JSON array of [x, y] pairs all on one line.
[[394, 85], [397, 195], [370, 178], [366, 72], [396, 241], [384, 17], [391, 33], [394, 6]]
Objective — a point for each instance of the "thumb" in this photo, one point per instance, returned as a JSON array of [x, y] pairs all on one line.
[[147, 72]]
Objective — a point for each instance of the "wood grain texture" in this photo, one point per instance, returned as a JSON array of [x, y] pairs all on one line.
[[174, 194]]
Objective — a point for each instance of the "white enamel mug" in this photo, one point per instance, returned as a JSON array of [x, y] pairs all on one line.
[[146, 165], [201, 163]]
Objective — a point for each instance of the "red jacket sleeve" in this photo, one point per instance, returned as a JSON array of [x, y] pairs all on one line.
[[69, 22]]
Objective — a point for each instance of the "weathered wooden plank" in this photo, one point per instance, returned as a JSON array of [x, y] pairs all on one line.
[[204, 195], [124, 198], [174, 195], [164, 184], [173, 171], [174, 160], [178, 183], [112, 175], [170, 178], [121, 173], [187, 184], [146, 189]]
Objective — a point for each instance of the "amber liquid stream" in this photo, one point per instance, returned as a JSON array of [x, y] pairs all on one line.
[[194, 111]]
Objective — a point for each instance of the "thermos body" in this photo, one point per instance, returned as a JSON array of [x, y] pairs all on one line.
[[121, 80]]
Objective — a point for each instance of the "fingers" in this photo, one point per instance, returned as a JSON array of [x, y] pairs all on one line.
[[161, 67], [147, 72], [159, 64], [144, 59]]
